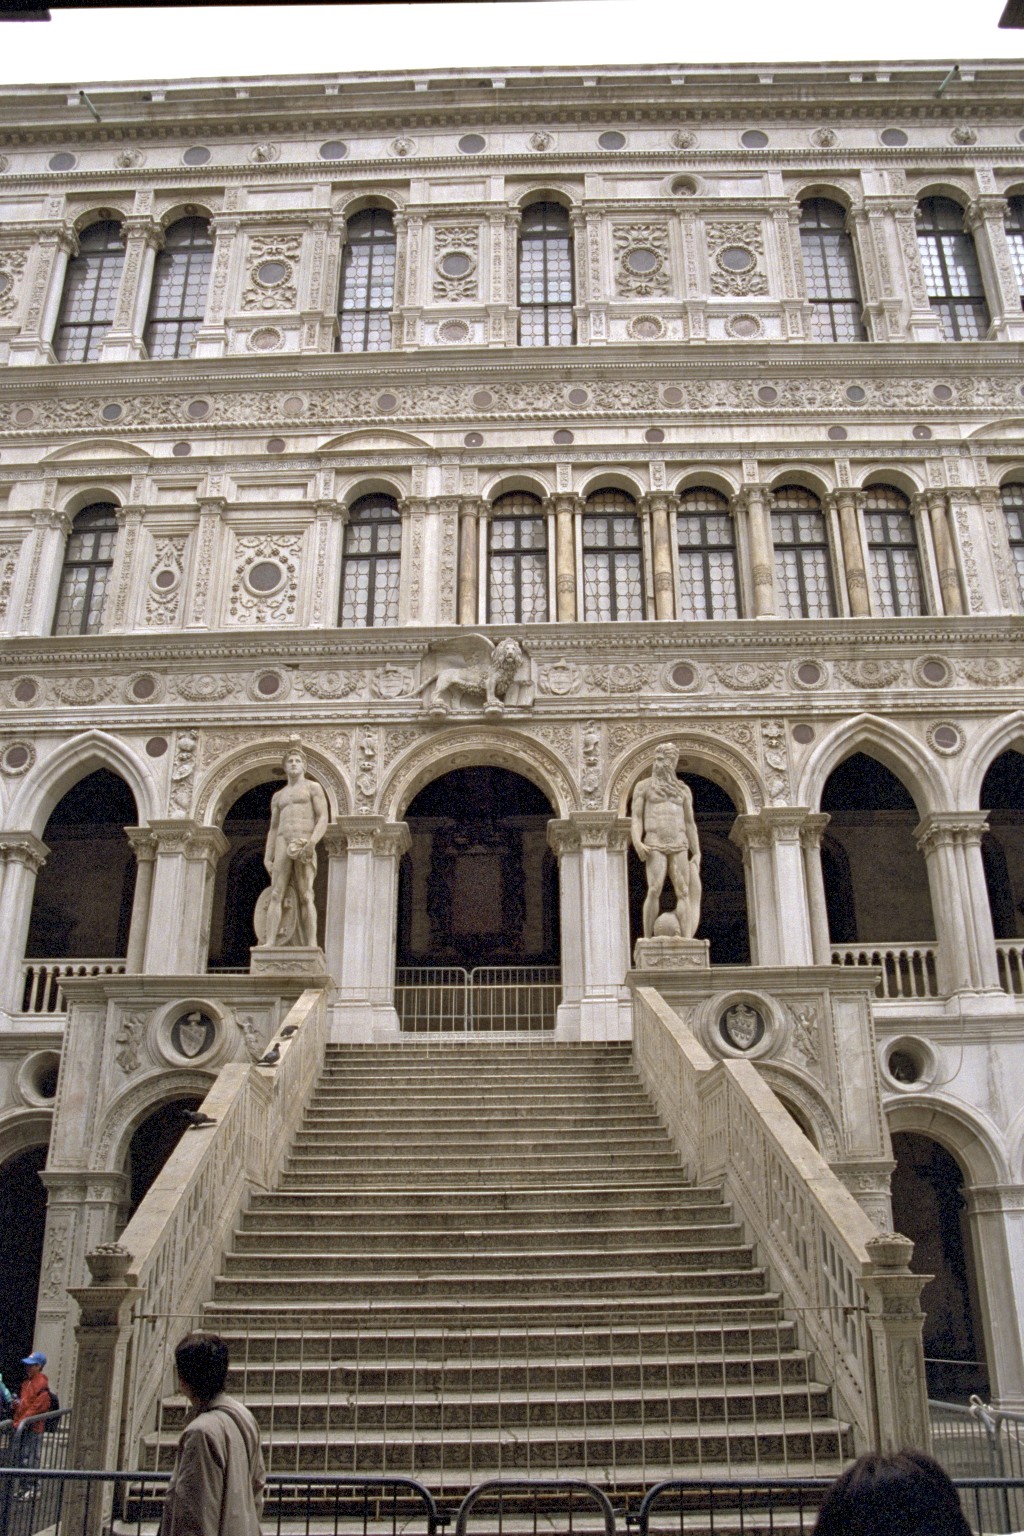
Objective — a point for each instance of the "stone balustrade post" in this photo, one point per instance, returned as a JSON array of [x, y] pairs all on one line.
[[22, 856], [995, 1219], [178, 933], [753, 501], [951, 844], [848, 503], [658, 505], [593, 891], [103, 1334], [895, 1345], [365, 975]]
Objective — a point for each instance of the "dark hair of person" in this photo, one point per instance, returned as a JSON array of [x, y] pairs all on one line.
[[906, 1494], [201, 1360]]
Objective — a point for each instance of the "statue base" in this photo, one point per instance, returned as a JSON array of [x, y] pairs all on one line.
[[672, 954], [287, 960]]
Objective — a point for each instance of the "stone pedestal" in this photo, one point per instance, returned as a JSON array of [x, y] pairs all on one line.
[[672, 954], [288, 960]]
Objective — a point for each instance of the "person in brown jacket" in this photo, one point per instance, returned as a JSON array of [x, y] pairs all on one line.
[[216, 1487]]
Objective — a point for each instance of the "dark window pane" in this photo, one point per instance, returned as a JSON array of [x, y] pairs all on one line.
[[707, 556], [892, 552], [367, 282], [181, 278], [90, 294], [613, 583], [803, 579], [371, 565], [830, 272], [951, 270], [88, 559], [545, 277], [517, 561]]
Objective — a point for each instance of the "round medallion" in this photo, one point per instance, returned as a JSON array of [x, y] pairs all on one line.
[[24, 416], [804, 734], [934, 671], [144, 687], [453, 330], [809, 673], [654, 435], [334, 149], [25, 690], [271, 273], [472, 143], [17, 758], [198, 410], [767, 394], [743, 327], [483, 399], [641, 259], [265, 576], [266, 338], [754, 138], [646, 327], [275, 445], [578, 397], [563, 436], [946, 738], [683, 675], [921, 432], [612, 140], [838, 434], [856, 394], [181, 450], [197, 155], [156, 746], [672, 395], [893, 138], [387, 402], [456, 264], [112, 412], [735, 258], [473, 439], [268, 684], [942, 392], [62, 161]]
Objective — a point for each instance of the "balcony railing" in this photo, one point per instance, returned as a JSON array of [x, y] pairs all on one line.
[[1010, 960], [441, 999], [42, 991], [908, 970]]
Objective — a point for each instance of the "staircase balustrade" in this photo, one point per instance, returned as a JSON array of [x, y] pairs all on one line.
[[908, 970], [42, 991], [1010, 960], [849, 1285]]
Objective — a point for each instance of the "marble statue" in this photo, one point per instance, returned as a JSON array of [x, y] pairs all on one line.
[[298, 820], [486, 675], [664, 835]]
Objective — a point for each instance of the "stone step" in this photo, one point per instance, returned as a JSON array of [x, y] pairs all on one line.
[[505, 1140], [502, 1121], [518, 1263], [575, 1201], [459, 1045], [427, 1243], [482, 1075], [547, 1159], [614, 1286]]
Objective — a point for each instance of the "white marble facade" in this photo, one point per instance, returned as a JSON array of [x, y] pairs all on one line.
[[700, 365]]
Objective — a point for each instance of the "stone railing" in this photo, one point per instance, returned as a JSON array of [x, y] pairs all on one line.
[[163, 1265], [846, 1284], [42, 991], [908, 970], [1010, 960]]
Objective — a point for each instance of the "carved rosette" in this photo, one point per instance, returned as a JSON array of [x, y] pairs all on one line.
[[641, 260], [456, 261], [736, 252], [271, 272]]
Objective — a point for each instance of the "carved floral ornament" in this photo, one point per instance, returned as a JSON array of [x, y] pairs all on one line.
[[12, 266], [273, 260], [641, 259]]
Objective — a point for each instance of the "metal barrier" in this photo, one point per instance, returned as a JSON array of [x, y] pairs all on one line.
[[39, 1445], [978, 1441], [491, 998], [743, 1504], [551, 1501], [908, 970]]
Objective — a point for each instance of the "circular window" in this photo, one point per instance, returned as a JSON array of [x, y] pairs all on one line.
[[267, 684], [946, 737], [25, 691], [156, 746], [578, 397], [387, 402], [456, 264], [24, 416], [265, 576], [563, 435], [808, 673], [641, 260], [17, 757], [334, 149], [673, 395], [804, 734], [905, 1064], [837, 434], [894, 138], [856, 394], [270, 273], [684, 186], [37, 1078], [473, 439], [736, 258], [275, 445], [181, 450], [62, 161], [767, 394], [654, 435], [144, 687], [482, 399], [165, 580], [472, 143], [612, 140], [683, 675], [753, 139], [921, 433], [935, 672], [197, 155], [198, 409], [112, 412], [942, 392]]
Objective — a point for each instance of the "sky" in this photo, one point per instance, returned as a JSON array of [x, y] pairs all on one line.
[[77, 47]]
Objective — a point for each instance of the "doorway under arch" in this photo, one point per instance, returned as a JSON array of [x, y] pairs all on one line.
[[22, 1227], [1002, 847], [82, 904], [152, 1143]]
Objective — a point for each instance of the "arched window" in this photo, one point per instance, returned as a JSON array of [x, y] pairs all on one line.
[[1015, 240], [613, 582], [367, 282], [545, 277], [830, 272], [1013, 511], [803, 579], [892, 552], [707, 556], [372, 562], [517, 561], [177, 300], [88, 559], [951, 269], [90, 294]]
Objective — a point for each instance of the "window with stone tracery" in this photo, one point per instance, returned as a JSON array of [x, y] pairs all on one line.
[[830, 272], [517, 561], [707, 556], [1013, 511], [181, 279], [951, 269], [893, 557], [613, 575], [545, 277], [85, 575], [90, 294], [371, 565], [1014, 225], [367, 282], [803, 575]]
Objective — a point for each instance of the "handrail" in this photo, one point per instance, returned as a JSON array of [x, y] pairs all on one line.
[[543, 1485], [177, 1235], [823, 1250]]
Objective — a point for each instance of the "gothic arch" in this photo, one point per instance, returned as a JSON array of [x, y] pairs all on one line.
[[50, 780], [126, 1113], [249, 765], [972, 1141], [472, 747], [1005, 735], [22, 1129], [713, 759], [894, 747]]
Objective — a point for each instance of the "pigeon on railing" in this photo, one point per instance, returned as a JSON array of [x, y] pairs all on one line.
[[271, 1058], [197, 1120]]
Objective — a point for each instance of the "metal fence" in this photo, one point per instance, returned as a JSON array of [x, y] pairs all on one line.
[[978, 1441], [31, 1502], [490, 998]]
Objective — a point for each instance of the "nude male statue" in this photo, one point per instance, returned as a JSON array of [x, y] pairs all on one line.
[[664, 835], [298, 820]]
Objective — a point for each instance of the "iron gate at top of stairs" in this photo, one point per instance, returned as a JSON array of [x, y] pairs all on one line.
[[488, 998]]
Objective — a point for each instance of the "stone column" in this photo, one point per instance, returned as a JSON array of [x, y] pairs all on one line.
[[335, 847], [469, 558], [923, 323], [45, 561], [179, 926], [753, 838], [847, 504], [143, 237], [594, 902], [945, 559], [951, 844], [364, 1005], [896, 1351], [45, 281], [205, 562], [565, 509], [22, 856], [659, 504], [103, 1334], [773, 838], [985, 218], [144, 846], [753, 501], [884, 308], [811, 833], [995, 1217], [117, 615]]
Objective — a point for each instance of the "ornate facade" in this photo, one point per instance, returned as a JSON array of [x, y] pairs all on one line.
[[706, 388]]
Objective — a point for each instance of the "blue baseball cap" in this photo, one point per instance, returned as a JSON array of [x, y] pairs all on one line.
[[38, 1358]]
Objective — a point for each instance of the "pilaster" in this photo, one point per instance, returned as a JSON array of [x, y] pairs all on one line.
[[364, 952], [177, 940], [45, 557], [593, 889], [995, 1218], [772, 846], [205, 562], [143, 237], [54, 247], [985, 218]]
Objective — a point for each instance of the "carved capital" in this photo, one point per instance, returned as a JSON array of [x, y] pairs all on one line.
[[942, 829], [189, 839], [144, 843], [23, 848]]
